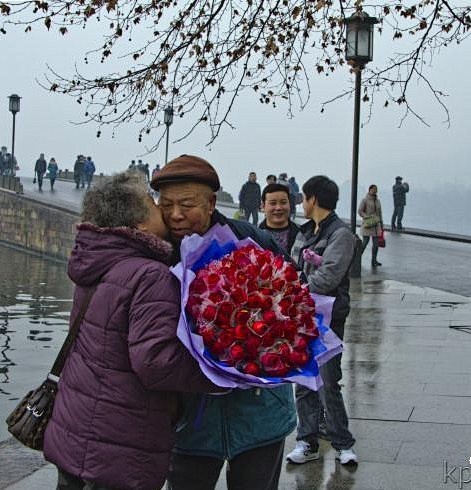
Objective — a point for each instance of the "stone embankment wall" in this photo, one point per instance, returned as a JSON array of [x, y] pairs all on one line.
[[29, 224]]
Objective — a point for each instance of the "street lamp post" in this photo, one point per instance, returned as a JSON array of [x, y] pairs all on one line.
[[14, 106], [168, 120], [359, 51]]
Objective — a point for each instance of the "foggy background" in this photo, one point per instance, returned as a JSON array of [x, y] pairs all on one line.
[[433, 160]]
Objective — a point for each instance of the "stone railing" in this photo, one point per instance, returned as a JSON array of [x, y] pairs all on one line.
[[11, 183]]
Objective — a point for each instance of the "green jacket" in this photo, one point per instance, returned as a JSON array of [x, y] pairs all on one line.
[[223, 426]]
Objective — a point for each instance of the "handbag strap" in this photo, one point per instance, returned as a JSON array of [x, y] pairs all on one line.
[[71, 336]]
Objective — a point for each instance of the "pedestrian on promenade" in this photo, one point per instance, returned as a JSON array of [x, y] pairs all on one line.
[[283, 179], [113, 424], [372, 224], [89, 170], [277, 222], [247, 428], [271, 179], [79, 175], [3, 160], [400, 190], [294, 195], [250, 198], [53, 170], [156, 169], [40, 169], [327, 236]]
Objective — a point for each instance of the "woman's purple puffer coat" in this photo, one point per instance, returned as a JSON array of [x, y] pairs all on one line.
[[114, 415]]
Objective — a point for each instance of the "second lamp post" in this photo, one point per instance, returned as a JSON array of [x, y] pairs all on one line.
[[14, 106], [359, 51], [168, 120]]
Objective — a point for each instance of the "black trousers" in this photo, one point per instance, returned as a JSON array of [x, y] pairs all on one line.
[[253, 213], [40, 179], [366, 239], [397, 214], [256, 469]]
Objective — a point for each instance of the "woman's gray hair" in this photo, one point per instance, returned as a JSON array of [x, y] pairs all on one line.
[[117, 201]]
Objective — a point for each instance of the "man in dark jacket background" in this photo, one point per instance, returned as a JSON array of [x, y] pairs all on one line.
[[400, 190], [328, 236], [277, 222], [40, 170], [250, 198], [247, 428]]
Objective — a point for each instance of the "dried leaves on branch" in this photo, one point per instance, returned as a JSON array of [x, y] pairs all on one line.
[[199, 55]]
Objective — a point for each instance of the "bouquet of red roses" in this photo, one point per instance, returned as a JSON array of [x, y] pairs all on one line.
[[246, 317]]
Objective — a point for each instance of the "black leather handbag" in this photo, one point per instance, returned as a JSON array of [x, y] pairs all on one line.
[[29, 419]]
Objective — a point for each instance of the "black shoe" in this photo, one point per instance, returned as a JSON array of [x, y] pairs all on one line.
[[375, 263]]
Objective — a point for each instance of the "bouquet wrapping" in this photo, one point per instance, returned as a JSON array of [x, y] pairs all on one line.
[[245, 316]]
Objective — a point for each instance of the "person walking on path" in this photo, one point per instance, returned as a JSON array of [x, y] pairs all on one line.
[[250, 198], [114, 418], [53, 170], [327, 236], [40, 169], [89, 170], [399, 190], [79, 175], [293, 195], [247, 428], [3, 160], [372, 224], [277, 222]]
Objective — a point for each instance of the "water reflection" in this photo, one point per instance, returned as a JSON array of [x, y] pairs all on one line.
[[35, 300]]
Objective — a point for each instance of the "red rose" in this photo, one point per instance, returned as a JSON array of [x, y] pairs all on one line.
[[290, 273], [237, 352], [273, 365], [239, 296], [299, 358], [269, 316], [254, 300], [216, 297], [198, 286], [259, 328], [209, 313], [251, 368], [241, 332], [242, 316], [266, 272]]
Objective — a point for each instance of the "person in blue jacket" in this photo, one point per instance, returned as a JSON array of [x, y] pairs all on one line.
[[246, 428], [53, 170], [89, 170]]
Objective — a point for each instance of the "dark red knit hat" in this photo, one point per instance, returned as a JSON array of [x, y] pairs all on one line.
[[187, 168]]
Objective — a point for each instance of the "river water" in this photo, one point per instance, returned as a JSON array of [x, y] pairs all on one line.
[[35, 300]]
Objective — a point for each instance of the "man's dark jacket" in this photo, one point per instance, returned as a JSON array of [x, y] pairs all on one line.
[[399, 194], [335, 243], [250, 196]]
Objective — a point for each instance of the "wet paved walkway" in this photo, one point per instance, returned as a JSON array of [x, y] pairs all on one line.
[[407, 388]]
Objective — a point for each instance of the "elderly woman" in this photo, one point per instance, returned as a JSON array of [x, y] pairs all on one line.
[[372, 224], [117, 405]]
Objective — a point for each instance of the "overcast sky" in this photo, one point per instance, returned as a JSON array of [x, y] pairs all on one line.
[[265, 139]]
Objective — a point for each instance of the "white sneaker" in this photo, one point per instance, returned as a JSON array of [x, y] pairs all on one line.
[[302, 453], [347, 456]]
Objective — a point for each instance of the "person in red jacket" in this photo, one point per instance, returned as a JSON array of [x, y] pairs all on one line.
[[114, 418]]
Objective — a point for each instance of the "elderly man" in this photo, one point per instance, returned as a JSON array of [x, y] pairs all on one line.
[[247, 428]]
